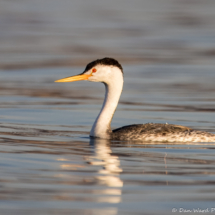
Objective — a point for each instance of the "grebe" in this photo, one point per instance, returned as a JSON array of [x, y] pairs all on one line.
[[110, 72]]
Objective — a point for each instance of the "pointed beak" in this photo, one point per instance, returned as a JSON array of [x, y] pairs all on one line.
[[74, 78]]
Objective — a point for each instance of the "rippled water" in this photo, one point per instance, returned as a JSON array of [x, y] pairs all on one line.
[[48, 164]]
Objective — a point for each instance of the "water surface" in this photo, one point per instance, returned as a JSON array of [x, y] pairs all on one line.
[[49, 165]]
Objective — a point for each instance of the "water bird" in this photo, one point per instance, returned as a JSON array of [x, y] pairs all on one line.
[[110, 72]]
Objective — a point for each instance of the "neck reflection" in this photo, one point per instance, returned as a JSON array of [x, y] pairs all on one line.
[[109, 173]]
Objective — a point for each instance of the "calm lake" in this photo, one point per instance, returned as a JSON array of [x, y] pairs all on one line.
[[49, 165]]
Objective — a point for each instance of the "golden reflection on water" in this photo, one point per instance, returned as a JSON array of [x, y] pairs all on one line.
[[110, 165], [107, 175], [108, 172]]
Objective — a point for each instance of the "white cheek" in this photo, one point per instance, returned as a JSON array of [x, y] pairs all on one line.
[[93, 78]]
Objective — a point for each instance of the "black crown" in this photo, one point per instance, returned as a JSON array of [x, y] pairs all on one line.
[[104, 61]]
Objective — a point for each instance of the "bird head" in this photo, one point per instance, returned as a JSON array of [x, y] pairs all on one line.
[[101, 70]]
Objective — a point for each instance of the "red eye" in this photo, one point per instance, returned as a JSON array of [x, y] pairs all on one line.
[[94, 70]]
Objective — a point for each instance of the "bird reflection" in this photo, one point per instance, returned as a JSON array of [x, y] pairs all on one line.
[[110, 169], [108, 173]]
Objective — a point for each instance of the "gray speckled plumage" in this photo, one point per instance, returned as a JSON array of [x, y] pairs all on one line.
[[155, 132]]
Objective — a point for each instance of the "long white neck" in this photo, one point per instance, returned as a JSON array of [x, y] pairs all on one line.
[[113, 89]]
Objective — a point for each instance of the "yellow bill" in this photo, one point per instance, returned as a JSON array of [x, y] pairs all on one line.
[[74, 78]]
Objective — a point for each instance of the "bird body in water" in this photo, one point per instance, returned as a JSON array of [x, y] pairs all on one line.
[[110, 72]]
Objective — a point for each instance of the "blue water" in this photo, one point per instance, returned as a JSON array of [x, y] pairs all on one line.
[[49, 165]]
